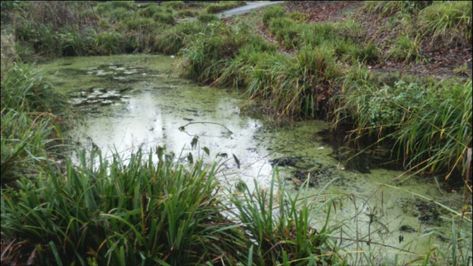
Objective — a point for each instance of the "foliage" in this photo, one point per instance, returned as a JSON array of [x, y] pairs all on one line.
[[306, 246], [429, 121], [272, 12], [143, 212], [174, 39], [223, 5], [28, 131], [448, 20]]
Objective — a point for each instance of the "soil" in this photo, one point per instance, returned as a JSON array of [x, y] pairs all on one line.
[[318, 11]]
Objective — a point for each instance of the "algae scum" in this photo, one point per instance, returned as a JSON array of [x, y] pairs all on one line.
[[130, 102]]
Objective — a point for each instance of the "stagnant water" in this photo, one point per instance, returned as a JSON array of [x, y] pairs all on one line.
[[132, 101]]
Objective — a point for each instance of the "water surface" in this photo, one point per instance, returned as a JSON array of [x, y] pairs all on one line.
[[138, 101]]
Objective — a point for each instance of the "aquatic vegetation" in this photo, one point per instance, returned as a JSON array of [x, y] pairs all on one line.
[[145, 212], [429, 121], [287, 238]]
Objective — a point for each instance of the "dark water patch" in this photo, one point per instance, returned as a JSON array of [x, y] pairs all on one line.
[[362, 155], [427, 212]]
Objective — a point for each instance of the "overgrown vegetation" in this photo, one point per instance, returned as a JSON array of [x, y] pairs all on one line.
[[30, 126], [312, 82], [142, 212], [103, 28], [428, 121]]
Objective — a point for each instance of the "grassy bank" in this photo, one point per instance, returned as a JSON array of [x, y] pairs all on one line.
[[102, 28], [326, 75]]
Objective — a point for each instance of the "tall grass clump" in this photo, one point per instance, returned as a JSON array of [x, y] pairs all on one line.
[[209, 53], [405, 49], [142, 212], [29, 123], [447, 20], [223, 5], [117, 213], [280, 231], [237, 71], [173, 39], [299, 86], [272, 12], [428, 122]]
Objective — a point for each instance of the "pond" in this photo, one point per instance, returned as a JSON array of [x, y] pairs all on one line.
[[128, 102]]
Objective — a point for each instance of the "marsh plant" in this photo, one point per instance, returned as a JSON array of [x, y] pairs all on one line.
[[140, 211]]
